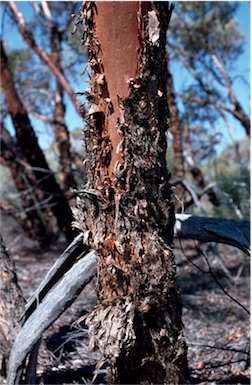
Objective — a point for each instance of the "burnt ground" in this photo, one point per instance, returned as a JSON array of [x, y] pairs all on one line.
[[214, 285]]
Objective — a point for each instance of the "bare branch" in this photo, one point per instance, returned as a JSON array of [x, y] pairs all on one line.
[[56, 301], [30, 40]]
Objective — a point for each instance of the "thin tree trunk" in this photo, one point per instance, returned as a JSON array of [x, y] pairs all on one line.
[[59, 124], [176, 127], [127, 215], [28, 143], [176, 130], [11, 306], [35, 222], [197, 172]]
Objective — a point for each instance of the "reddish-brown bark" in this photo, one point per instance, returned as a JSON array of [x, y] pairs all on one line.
[[118, 50]]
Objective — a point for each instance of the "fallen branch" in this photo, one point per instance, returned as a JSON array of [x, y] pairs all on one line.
[[76, 250], [61, 296], [227, 231]]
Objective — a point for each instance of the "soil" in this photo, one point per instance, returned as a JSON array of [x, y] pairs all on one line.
[[214, 281]]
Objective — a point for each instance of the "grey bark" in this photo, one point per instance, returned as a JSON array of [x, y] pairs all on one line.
[[57, 300]]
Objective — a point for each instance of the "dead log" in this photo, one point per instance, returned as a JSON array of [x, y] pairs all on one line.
[[74, 251], [220, 230]]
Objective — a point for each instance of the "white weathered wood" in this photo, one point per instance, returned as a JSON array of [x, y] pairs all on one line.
[[55, 302], [66, 260], [220, 230]]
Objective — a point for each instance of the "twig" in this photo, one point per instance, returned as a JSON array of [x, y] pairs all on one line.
[[218, 282], [217, 347], [190, 260], [210, 271]]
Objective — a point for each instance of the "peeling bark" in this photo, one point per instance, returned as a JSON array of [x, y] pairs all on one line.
[[126, 212]]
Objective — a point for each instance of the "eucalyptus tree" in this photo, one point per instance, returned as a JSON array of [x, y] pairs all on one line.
[[205, 38], [47, 33], [126, 211], [31, 210], [26, 141]]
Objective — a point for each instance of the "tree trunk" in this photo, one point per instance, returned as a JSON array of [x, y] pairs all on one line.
[[126, 213], [176, 130], [59, 124], [11, 307], [27, 141], [177, 127], [36, 222]]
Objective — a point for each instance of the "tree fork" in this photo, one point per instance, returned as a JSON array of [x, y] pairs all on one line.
[[126, 211]]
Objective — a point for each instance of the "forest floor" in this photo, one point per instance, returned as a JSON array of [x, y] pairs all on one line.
[[214, 281]]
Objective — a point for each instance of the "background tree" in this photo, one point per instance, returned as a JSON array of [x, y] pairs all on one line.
[[34, 218], [59, 124], [55, 23], [177, 129], [27, 142], [43, 97], [207, 44], [41, 53], [204, 38]]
